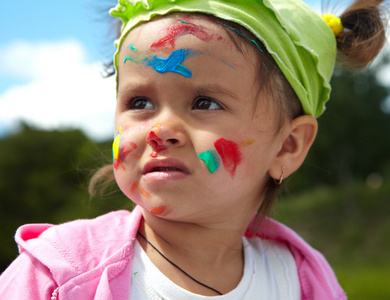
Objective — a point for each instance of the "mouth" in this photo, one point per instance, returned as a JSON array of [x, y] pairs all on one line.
[[165, 166]]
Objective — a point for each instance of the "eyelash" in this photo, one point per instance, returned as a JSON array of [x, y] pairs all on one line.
[[132, 102], [131, 105], [213, 101]]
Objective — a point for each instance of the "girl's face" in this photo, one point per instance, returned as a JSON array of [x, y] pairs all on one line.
[[194, 143]]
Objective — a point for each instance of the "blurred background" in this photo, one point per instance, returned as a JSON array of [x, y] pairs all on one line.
[[56, 129]]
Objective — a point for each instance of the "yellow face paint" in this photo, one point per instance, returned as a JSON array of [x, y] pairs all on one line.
[[115, 144]]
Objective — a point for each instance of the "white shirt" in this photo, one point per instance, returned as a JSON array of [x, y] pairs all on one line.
[[269, 273]]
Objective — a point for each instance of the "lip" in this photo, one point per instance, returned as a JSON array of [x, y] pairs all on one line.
[[165, 169]]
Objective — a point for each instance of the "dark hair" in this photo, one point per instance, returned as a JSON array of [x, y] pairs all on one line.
[[361, 41], [364, 33]]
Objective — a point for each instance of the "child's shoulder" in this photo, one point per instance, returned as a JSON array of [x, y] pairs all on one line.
[[73, 248], [87, 230]]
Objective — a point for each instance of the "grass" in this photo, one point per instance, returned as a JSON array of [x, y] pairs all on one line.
[[362, 282]]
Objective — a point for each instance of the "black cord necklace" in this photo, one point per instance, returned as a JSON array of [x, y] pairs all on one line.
[[171, 262]]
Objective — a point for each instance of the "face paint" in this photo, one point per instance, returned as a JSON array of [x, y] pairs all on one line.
[[230, 154], [157, 211], [140, 189], [177, 30], [246, 143], [231, 66], [211, 160], [253, 41], [165, 65], [120, 151], [158, 126], [172, 63], [158, 143], [115, 144], [132, 48]]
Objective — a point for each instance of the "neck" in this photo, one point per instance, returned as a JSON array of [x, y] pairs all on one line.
[[208, 242], [204, 251]]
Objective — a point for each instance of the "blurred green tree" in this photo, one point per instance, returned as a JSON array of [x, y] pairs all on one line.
[[353, 138], [44, 177]]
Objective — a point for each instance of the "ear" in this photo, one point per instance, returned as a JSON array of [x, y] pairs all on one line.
[[296, 142]]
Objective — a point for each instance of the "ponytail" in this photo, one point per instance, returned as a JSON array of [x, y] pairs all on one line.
[[364, 34]]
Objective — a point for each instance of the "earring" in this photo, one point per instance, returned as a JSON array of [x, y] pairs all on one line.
[[279, 182]]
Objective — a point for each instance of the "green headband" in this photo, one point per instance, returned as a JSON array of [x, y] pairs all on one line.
[[298, 39]]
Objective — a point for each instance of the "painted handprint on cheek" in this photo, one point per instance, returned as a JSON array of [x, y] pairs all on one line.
[[230, 154], [211, 159], [121, 150], [228, 151]]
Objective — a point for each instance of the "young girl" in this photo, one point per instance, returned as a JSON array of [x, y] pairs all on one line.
[[216, 106]]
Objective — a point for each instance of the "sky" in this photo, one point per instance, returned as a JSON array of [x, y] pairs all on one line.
[[51, 53]]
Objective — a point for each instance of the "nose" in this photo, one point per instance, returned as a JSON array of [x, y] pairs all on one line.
[[162, 136]]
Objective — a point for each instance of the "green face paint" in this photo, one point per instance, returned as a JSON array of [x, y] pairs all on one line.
[[132, 48], [211, 158]]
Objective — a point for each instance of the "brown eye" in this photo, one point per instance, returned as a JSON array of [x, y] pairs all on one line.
[[205, 103], [140, 103]]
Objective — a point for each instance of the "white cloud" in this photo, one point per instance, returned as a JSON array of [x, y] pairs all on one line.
[[63, 89]]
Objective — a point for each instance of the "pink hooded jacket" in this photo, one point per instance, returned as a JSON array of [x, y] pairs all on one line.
[[91, 259]]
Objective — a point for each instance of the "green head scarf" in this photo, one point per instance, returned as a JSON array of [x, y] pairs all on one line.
[[298, 39]]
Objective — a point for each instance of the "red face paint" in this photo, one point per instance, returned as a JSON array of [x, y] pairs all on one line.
[[158, 143], [178, 30], [230, 154], [158, 211], [122, 154]]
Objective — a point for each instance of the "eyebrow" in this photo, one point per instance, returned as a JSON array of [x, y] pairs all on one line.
[[216, 89], [135, 86]]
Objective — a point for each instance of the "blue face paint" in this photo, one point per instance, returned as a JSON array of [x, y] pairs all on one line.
[[170, 64], [211, 159], [231, 66]]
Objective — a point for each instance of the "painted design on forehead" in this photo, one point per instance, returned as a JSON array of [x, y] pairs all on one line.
[[253, 41], [157, 142], [231, 66], [211, 159], [173, 63], [120, 150], [140, 189], [175, 31], [230, 154], [132, 48]]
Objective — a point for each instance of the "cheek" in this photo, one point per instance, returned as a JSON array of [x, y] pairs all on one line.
[[223, 152], [126, 146]]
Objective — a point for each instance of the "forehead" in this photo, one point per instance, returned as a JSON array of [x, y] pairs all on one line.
[[169, 29], [210, 54], [167, 33]]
